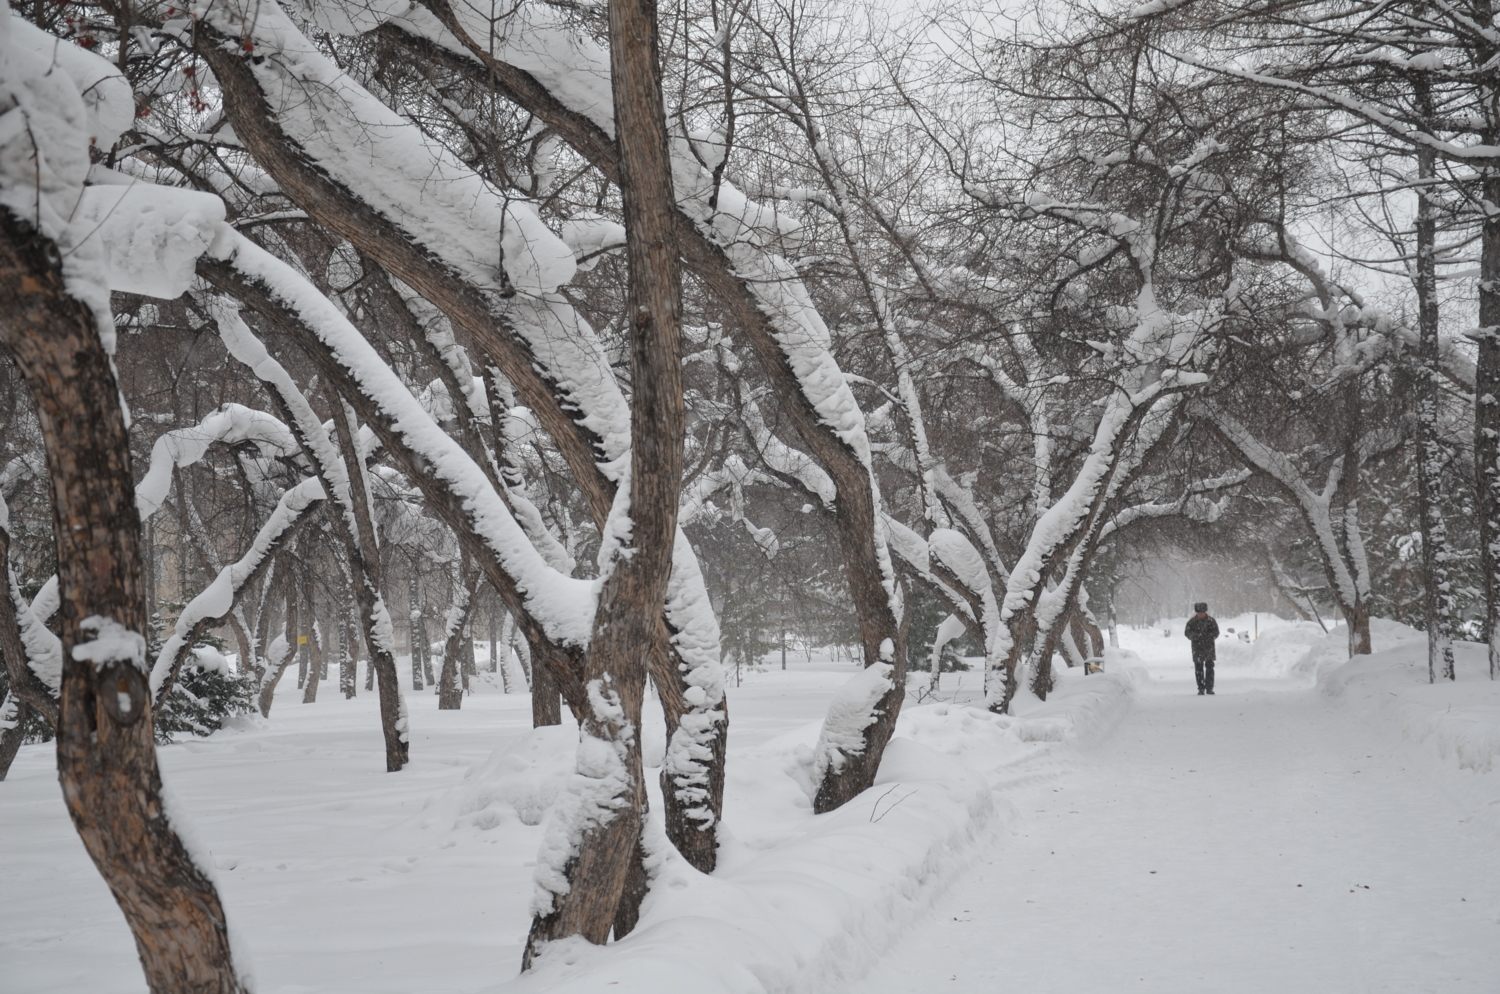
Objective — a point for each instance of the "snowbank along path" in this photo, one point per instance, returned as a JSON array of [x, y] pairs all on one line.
[[1277, 836]]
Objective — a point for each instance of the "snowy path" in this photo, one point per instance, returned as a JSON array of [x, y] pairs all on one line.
[[1170, 859]]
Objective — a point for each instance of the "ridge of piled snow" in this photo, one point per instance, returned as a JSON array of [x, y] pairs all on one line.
[[1452, 726], [814, 909]]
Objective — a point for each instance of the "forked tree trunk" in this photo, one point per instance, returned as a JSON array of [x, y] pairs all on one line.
[[106, 754], [605, 866]]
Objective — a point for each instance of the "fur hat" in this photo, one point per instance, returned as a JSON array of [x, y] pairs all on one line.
[[1201, 607]]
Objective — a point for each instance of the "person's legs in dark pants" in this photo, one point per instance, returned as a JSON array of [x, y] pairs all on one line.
[[1208, 671], [1198, 667]]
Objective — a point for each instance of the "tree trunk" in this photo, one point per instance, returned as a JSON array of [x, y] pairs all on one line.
[[348, 651], [1487, 415], [560, 411], [315, 671], [1437, 599], [546, 703], [14, 716], [268, 685], [633, 595], [105, 748], [25, 685], [450, 690]]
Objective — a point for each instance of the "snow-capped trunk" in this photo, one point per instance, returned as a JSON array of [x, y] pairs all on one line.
[[26, 687], [593, 881], [355, 527], [288, 652], [212, 606], [768, 302], [1357, 610], [950, 628], [416, 635], [14, 716], [1437, 597], [549, 606], [450, 694], [1487, 414], [105, 749], [1345, 566], [56, 99], [433, 242], [1055, 537]]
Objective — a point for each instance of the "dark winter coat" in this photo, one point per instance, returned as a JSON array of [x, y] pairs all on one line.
[[1202, 630]]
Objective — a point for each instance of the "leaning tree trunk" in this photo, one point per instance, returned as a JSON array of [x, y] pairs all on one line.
[[315, 648], [364, 564], [603, 870], [106, 754]]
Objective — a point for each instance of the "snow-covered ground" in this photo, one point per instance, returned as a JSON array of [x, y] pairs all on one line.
[[1278, 836], [1015, 851]]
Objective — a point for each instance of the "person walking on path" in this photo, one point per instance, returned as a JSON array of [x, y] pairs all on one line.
[[1202, 630]]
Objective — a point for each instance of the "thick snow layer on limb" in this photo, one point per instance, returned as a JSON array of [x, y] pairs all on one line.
[[56, 100], [152, 235], [43, 649], [784, 460], [1315, 507], [576, 71], [691, 615], [957, 553], [241, 343], [442, 205], [590, 236], [217, 599], [112, 643], [458, 211], [231, 425], [910, 546], [591, 799], [852, 710], [498, 242], [950, 628], [564, 606]]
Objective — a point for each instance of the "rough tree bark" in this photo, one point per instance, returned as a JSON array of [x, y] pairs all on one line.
[[1437, 597], [633, 596], [291, 628], [854, 511], [335, 208], [1487, 412], [450, 693], [364, 561], [105, 749]]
